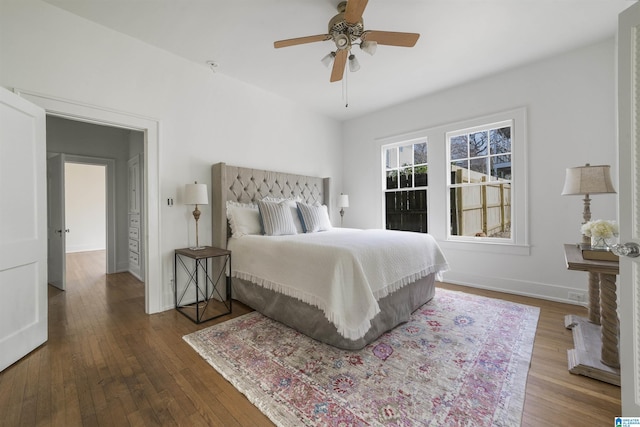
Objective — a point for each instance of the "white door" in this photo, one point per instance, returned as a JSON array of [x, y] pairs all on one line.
[[629, 177], [23, 228], [57, 242]]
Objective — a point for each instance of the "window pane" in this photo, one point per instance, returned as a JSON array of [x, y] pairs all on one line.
[[500, 140], [420, 176], [406, 155], [501, 167], [392, 179], [406, 178], [459, 147], [481, 211], [459, 172], [420, 153], [406, 210], [391, 157], [479, 144], [480, 167]]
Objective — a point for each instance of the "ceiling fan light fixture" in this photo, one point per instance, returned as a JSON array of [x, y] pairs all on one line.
[[342, 41], [354, 65], [369, 46], [328, 59], [345, 30]]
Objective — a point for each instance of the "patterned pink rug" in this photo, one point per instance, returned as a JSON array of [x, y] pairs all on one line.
[[462, 360]]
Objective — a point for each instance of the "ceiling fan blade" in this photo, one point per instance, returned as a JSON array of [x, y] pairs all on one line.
[[391, 38], [354, 11], [301, 40], [339, 63]]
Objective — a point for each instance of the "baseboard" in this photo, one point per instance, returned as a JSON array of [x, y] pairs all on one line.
[[124, 267], [136, 275], [80, 248], [543, 291]]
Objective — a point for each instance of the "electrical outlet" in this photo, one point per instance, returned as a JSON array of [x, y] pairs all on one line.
[[577, 296]]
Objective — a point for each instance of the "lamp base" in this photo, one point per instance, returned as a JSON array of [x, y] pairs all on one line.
[[198, 248]]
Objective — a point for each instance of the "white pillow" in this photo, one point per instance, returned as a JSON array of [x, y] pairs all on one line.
[[294, 210], [243, 219], [276, 218], [314, 218]]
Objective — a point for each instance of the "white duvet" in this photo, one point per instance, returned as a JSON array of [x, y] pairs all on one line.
[[343, 272]]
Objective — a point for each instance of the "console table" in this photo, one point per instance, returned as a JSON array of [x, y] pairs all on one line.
[[596, 337], [206, 290]]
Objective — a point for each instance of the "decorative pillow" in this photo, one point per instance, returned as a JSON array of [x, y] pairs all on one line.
[[243, 219], [314, 218], [276, 218], [294, 210]]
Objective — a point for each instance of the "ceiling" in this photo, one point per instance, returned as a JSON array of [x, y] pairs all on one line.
[[461, 40]]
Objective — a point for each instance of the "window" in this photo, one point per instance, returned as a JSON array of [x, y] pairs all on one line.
[[472, 189], [479, 173], [405, 188]]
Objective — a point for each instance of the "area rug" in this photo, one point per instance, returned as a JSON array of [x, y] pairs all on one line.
[[461, 360]]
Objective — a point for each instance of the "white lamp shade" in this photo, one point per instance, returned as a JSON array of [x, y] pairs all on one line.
[[328, 59], [588, 180], [354, 64], [369, 47], [196, 194], [343, 201]]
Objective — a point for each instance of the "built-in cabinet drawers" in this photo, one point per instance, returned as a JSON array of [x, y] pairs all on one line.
[[134, 258], [134, 214], [134, 246], [134, 233], [136, 218], [134, 238]]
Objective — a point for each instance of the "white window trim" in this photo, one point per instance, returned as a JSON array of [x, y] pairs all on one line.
[[511, 123], [399, 141], [385, 190], [437, 194]]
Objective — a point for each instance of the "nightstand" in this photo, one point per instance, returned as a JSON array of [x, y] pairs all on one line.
[[202, 288]]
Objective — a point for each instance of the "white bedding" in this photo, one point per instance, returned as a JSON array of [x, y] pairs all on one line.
[[343, 272]]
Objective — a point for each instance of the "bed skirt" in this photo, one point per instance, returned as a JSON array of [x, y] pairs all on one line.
[[394, 310]]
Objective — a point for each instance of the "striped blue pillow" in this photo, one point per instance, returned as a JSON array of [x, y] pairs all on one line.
[[294, 210], [314, 218], [276, 218]]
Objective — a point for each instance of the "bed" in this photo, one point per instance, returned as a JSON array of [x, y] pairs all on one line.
[[344, 287]]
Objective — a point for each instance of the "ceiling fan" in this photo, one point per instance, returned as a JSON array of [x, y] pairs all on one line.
[[346, 30]]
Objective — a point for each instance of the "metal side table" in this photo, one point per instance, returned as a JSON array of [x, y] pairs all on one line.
[[202, 288]]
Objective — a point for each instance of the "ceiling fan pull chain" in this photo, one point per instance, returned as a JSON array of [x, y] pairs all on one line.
[[345, 89]]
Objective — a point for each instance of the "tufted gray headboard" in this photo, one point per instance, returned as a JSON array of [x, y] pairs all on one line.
[[247, 185]]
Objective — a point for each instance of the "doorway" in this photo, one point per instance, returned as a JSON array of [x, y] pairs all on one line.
[[85, 207], [93, 216], [156, 299]]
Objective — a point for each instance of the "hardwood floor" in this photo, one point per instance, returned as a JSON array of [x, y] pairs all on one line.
[[106, 363]]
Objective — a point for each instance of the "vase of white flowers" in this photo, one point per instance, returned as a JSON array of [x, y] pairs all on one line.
[[601, 232]]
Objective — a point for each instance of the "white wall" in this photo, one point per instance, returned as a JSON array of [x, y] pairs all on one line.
[[204, 117], [85, 207], [570, 112]]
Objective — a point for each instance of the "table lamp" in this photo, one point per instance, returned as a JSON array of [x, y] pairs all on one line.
[[196, 194], [343, 202], [586, 180]]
